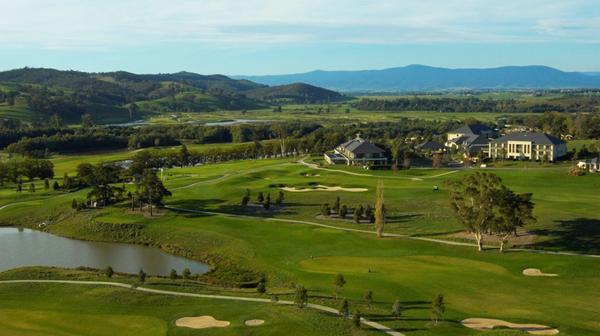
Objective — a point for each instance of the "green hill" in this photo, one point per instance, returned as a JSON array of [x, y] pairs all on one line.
[[35, 94]]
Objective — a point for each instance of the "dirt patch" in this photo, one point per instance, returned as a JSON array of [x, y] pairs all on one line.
[[522, 238], [201, 322], [254, 323], [321, 187], [490, 324], [535, 272]]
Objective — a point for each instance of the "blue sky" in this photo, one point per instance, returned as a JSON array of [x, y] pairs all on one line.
[[275, 36]]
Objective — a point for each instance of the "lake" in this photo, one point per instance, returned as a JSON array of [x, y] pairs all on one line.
[[19, 248]]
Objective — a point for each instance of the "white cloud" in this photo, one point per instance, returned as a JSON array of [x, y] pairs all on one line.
[[87, 24]]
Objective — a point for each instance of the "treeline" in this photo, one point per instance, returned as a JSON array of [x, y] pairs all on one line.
[[14, 171], [580, 104], [579, 125]]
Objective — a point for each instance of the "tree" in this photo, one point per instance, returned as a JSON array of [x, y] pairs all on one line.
[[267, 202], [184, 156], [19, 186], [67, 181], [55, 185], [396, 151], [46, 184], [55, 121], [132, 108], [356, 319], [438, 307], [473, 199], [142, 276], [339, 283], [74, 204], [379, 210], [397, 309], [280, 198], [31, 187], [436, 162], [343, 211], [358, 212], [245, 200], [515, 211], [336, 205], [344, 308], [301, 297], [325, 210], [173, 275], [368, 298], [261, 288], [260, 198], [187, 274], [152, 191], [109, 272], [87, 121]]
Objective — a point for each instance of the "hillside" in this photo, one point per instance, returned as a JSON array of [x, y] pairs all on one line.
[[424, 78], [296, 92], [35, 94]]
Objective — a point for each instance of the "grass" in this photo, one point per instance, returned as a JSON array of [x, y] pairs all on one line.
[[57, 309], [475, 284]]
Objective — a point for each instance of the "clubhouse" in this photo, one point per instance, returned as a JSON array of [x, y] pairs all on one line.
[[527, 146], [357, 152]]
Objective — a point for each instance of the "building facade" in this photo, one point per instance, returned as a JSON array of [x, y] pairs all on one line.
[[527, 146], [470, 138], [357, 152]]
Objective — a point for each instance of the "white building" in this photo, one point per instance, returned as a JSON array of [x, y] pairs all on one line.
[[527, 146]]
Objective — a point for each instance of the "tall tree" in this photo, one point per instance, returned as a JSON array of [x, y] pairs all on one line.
[[152, 191], [473, 199], [397, 309], [515, 211], [438, 307], [379, 210], [339, 283], [344, 308], [301, 297]]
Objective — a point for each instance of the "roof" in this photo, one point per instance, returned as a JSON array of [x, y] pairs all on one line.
[[431, 145], [536, 138], [593, 161], [360, 146], [473, 129]]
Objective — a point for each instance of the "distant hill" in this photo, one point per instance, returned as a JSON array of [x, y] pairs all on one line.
[[425, 78], [296, 92], [38, 93]]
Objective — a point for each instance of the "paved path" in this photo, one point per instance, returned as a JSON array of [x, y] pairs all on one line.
[[326, 309], [315, 166], [394, 235]]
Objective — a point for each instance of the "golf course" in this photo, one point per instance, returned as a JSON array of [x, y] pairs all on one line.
[[420, 255]]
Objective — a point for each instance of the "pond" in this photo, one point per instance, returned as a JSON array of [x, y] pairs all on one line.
[[24, 247]]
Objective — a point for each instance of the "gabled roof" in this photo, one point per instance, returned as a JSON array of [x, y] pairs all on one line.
[[431, 145], [475, 129], [536, 138], [360, 146]]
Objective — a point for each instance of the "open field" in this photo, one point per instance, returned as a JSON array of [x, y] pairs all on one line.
[[239, 242]]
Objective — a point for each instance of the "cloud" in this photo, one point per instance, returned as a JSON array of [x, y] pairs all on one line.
[[110, 24]]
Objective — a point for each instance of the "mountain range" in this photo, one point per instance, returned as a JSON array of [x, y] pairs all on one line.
[[426, 78]]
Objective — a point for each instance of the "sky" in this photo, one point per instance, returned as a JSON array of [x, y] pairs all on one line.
[[256, 37]]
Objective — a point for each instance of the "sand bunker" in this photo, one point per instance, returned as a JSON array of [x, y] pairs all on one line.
[[489, 324], [323, 188], [254, 323], [201, 322], [536, 273]]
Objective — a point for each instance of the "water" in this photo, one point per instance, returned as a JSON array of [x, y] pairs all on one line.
[[19, 248]]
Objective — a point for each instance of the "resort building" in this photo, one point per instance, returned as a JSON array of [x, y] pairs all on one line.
[[471, 138], [357, 152], [527, 146]]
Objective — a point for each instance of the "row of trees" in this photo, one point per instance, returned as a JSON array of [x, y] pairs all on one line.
[[15, 170], [581, 104], [376, 215], [262, 200]]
